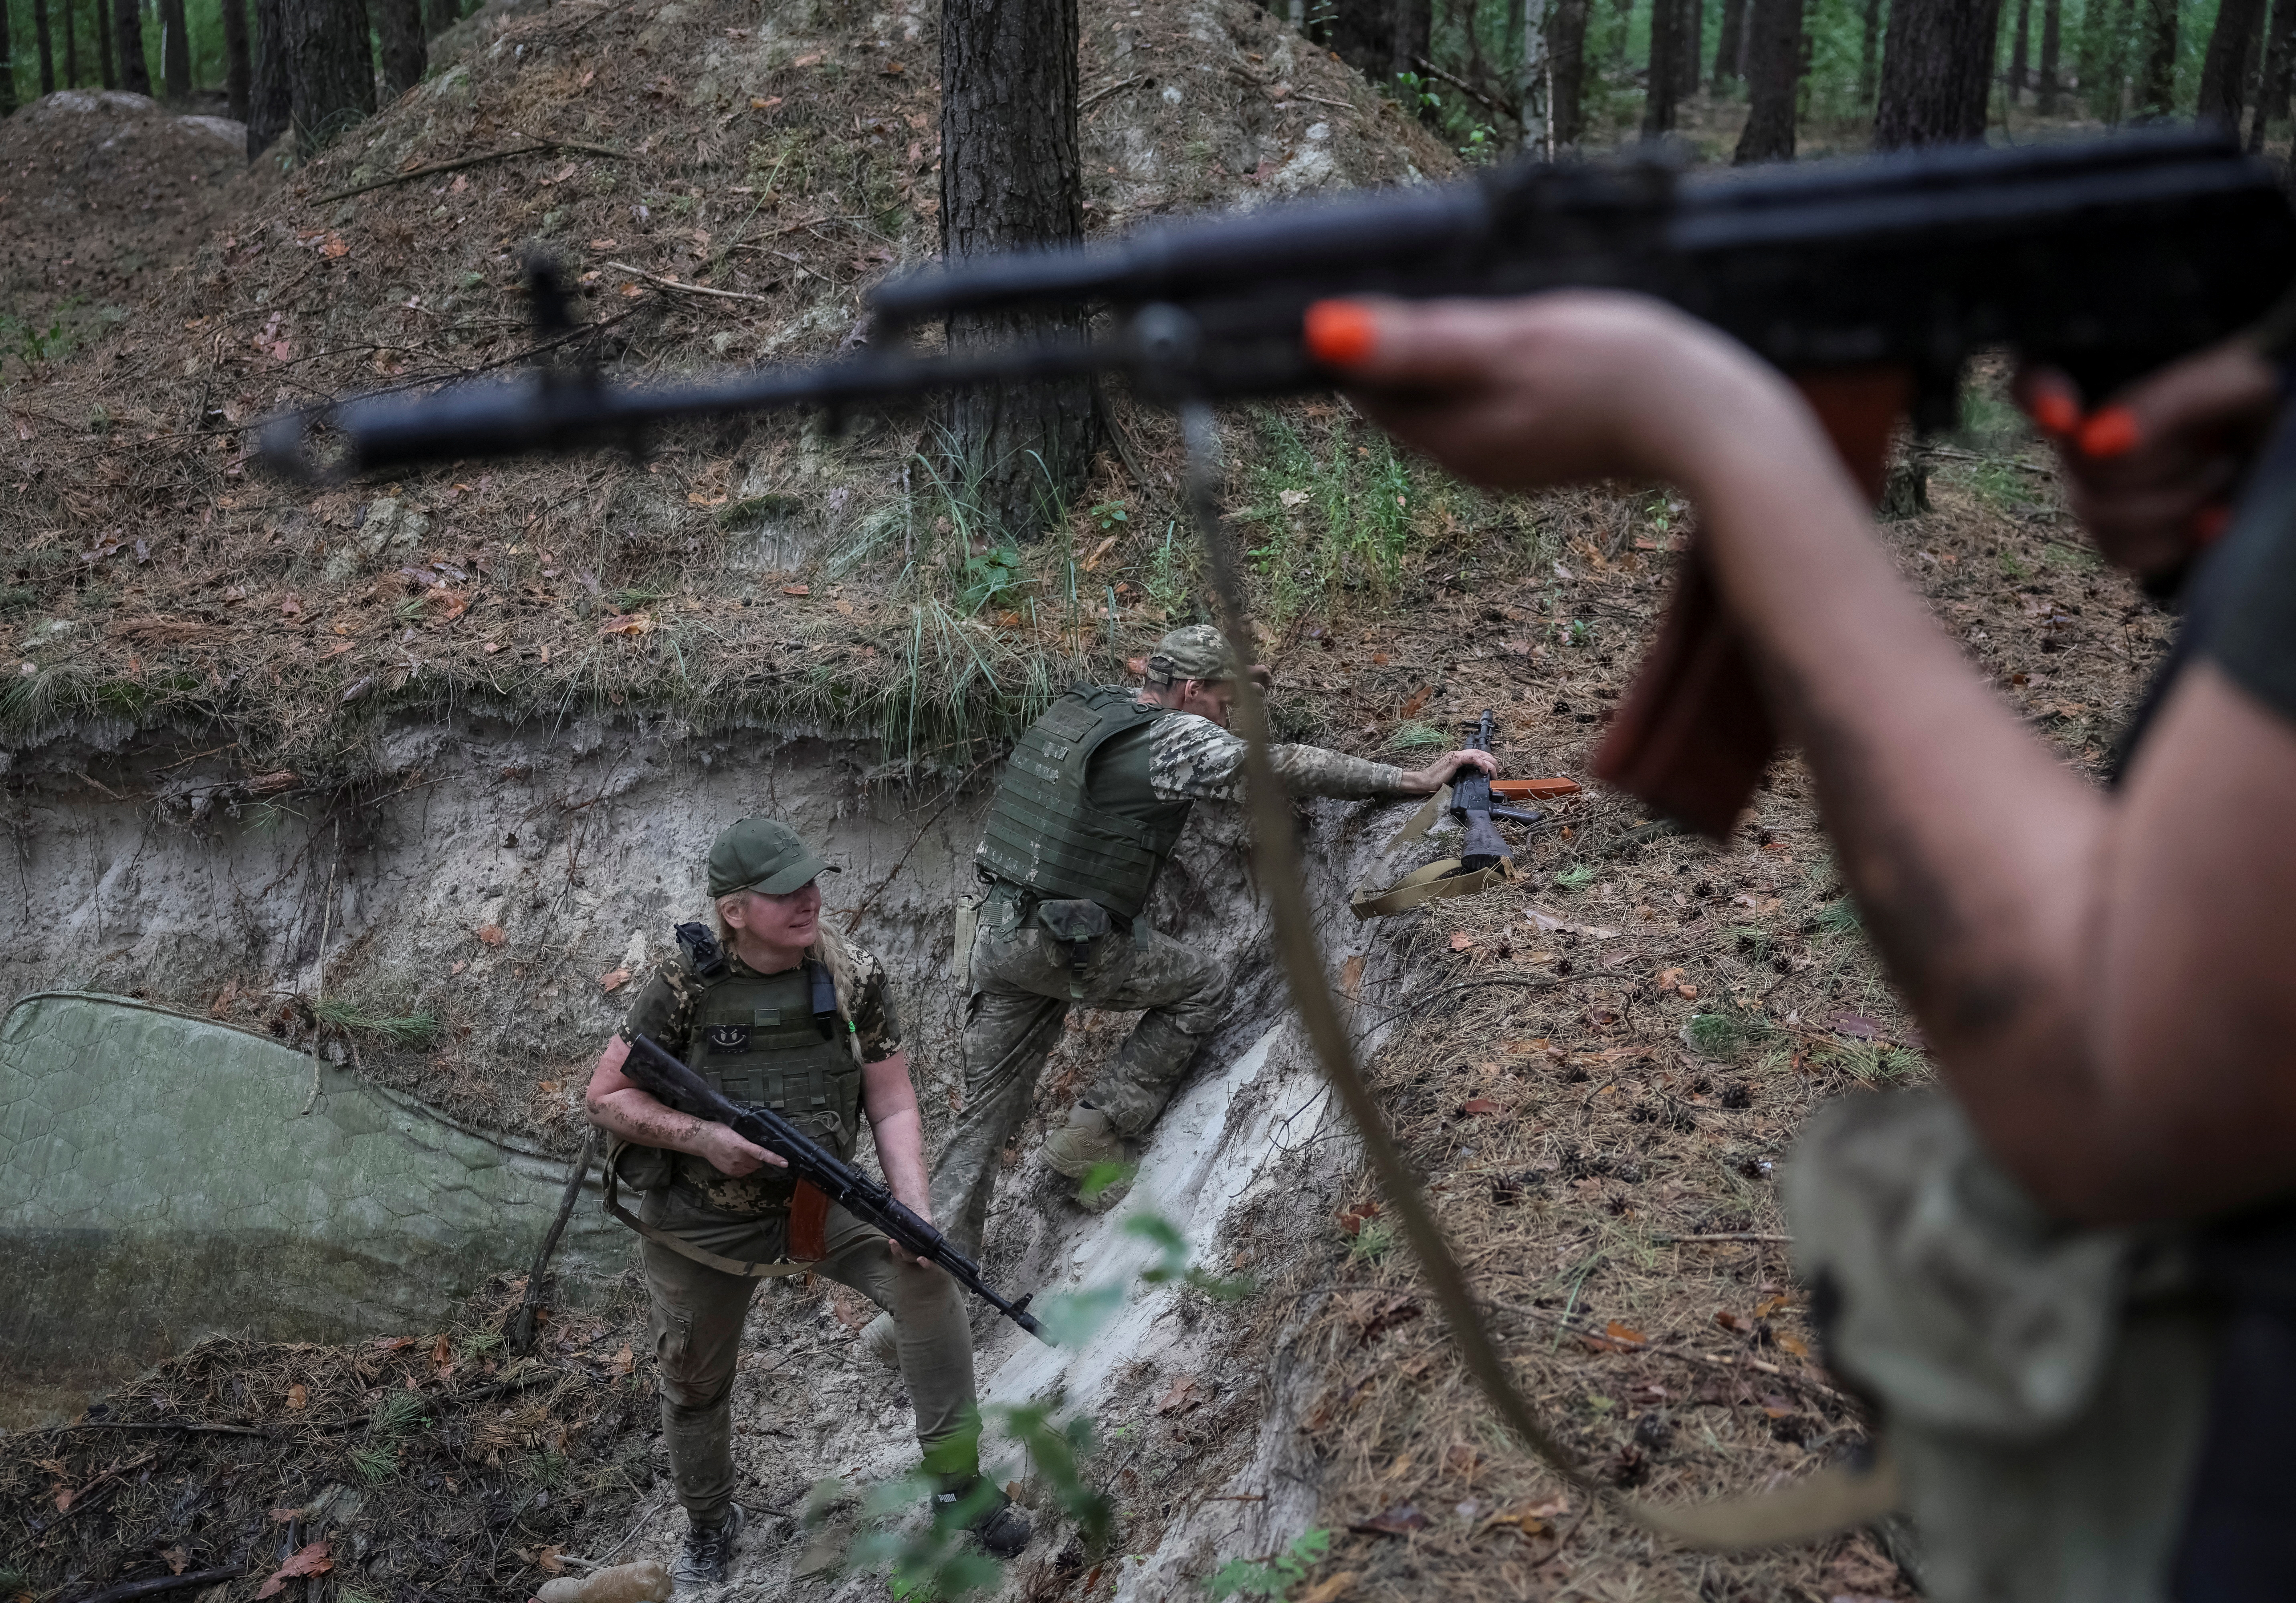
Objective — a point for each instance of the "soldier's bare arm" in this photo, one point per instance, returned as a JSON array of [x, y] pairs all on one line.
[[620, 1106], [892, 1103], [2103, 978]]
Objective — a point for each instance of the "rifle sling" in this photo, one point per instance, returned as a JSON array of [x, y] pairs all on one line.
[[702, 1255]]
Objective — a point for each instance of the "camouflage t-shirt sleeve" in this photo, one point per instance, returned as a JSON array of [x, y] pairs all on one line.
[[1194, 759], [874, 1019], [663, 1010]]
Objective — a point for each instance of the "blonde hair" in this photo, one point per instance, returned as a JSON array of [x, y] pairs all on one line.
[[718, 916]]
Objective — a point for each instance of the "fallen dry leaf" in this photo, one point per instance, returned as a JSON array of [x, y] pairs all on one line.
[[613, 979], [178, 1558], [1619, 1332], [808, 61], [1794, 1345], [624, 1361], [1326, 1590], [1351, 978], [312, 1560], [1461, 941], [451, 603], [442, 1351], [298, 1395], [797, 590], [1092, 559], [627, 623], [1400, 1519], [1771, 1305], [334, 248], [1857, 1026], [64, 1495], [1480, 1105], [1353, 1219], [549, 1561], [1182, 1397], [1418, 699], [1728, 1319], [490, 934]]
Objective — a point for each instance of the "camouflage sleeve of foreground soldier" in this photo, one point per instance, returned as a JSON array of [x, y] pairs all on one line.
[[1194, 759]]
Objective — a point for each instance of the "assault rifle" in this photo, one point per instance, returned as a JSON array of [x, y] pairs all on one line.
[[1474, 806], [674, 1085], [1870, 280]]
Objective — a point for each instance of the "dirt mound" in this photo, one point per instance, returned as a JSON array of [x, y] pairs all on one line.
[[723, 184], [105, 193]]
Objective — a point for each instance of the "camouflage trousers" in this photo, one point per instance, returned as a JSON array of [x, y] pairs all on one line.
[[1022, 986], [697, 1338]]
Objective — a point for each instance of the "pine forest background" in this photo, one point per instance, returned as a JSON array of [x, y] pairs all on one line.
[[1459, 63]]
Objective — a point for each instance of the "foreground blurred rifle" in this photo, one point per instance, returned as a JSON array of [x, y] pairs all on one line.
[[871, 1201], [1869, 281]]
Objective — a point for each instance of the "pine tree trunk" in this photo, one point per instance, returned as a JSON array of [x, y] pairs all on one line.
[[2272, 88], [1414, 38], [104, 52], [443, 15], [47, 51], [1664, 74], [1690, 44], [270, 108], [1937, 72], [2156, 93], [1566, 55], [7, 66], [71, 46], [175, 51], [1011, 176], [330, 68], [1532, 71], [236, 71], [127, 36], [406, 52], [1869, 45], [1726, 48], [2020, 53], [2053, 15], [1775, 61], [2231, 58]]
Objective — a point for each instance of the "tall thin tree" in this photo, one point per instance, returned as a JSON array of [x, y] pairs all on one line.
[[175, 50], [105, 69], [1869, 54], [2052, 17], [442, 14], [71, 46], [237, 69], [399, 28], [270, 107], [7, 66], [47, 52], [2272, 88], [1566, 58], [1012, 174], [1534, 68], [1663, 81], [1937, 72], [2156, 90], [2230, 61], [1774, 64], [128, 38], [1726, 48], [2019, 52]]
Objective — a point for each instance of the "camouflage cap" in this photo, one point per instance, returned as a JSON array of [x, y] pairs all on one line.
[[1198, 651], [762, 854]]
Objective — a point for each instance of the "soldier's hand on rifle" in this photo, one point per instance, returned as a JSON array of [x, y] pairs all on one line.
[[1427, 780], [1549, 389], [2152, 473], [730, 1154]]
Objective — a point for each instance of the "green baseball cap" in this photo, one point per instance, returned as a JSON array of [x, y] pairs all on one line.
[[762, 854], [1197, 651]]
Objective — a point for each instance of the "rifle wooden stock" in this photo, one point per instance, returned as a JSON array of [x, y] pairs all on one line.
[[1695, 732]]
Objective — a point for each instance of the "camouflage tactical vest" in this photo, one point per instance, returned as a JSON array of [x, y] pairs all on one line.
[[1047, 834], [757, 1039]]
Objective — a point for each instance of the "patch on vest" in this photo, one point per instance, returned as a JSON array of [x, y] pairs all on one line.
[[729, 1038]]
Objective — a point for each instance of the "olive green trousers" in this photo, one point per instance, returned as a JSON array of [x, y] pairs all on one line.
[[697, 1333]]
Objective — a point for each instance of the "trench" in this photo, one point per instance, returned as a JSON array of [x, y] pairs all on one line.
[[497, 879]]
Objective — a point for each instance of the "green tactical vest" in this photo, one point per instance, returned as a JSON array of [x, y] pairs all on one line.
[[1047, 834], [755, 1040]]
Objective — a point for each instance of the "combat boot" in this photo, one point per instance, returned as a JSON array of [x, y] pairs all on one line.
[[880, 1339], [1003, 1527], [707, 1552], [1085, 1140]]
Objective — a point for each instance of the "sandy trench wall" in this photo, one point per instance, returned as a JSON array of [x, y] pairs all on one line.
[[582, 845]]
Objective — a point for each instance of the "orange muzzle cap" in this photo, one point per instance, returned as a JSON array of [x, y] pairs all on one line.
[[2109, 431], [1340, 333], [2055, 410]]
